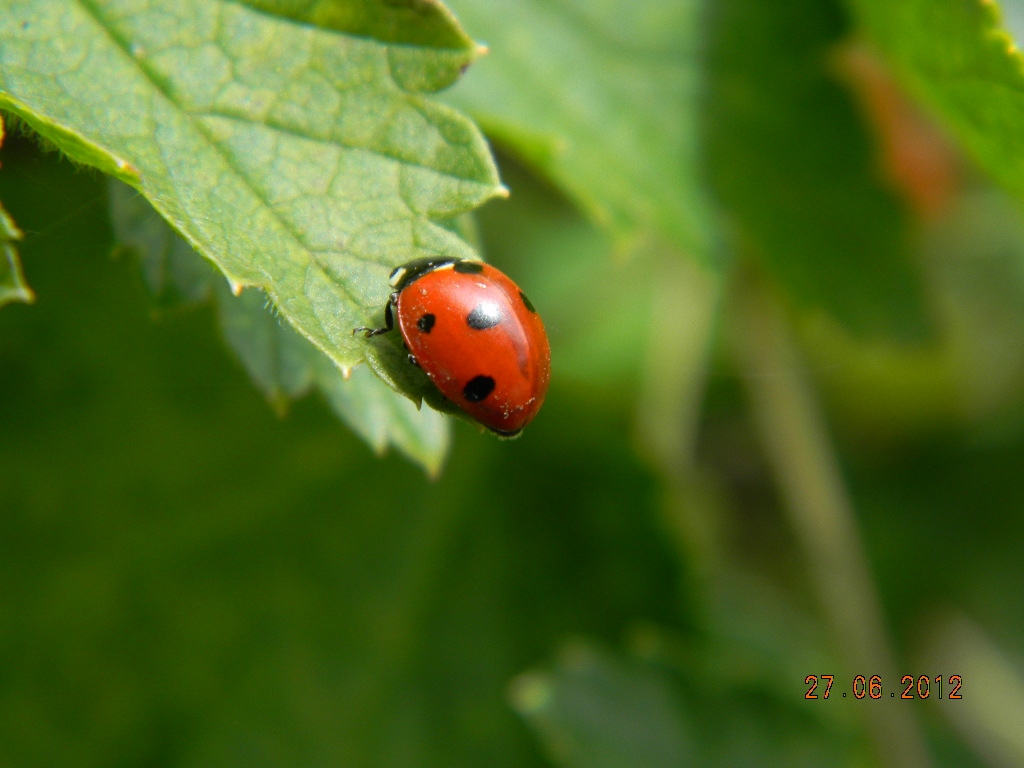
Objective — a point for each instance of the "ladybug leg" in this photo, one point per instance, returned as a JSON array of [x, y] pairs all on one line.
[[410, 356], [389, 320]]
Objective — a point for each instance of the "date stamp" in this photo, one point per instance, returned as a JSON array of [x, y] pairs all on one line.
[[921, 687]]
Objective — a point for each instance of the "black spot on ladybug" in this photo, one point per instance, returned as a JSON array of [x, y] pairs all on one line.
[[478, 388], [426, 322], [414, 361], [468, 267], [527, 302], [485, 315]]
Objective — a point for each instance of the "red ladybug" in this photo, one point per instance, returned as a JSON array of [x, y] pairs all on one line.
[[475, 334]]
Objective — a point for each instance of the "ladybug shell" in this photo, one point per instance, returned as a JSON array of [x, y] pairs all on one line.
[[479, 339]]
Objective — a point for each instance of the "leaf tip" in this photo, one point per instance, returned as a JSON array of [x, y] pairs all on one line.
[[279, 403], [127, 170], [433, 469], [21, 293]]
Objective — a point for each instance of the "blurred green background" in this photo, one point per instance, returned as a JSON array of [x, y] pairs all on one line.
[[729, 489]]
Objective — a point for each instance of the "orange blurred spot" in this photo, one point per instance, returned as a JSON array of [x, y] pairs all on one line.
[[916, 157]]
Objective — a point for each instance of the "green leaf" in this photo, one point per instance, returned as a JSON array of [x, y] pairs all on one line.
[[596, 711], [280, 363], [12, 283], [600, 97], [302, 160], [956, 56], [792, 162], [283, 364]]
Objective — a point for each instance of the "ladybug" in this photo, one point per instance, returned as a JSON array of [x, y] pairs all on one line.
[[475, 334]]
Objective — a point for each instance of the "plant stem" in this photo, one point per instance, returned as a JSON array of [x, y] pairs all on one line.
[[792, 430]]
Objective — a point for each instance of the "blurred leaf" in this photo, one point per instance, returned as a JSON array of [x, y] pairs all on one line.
[[600, 97], [301, 160], [887, 393], [594, 711], [280, 366], [12, 282], [956, 57], [283, 364], [792, 163], [171, 269], [739, 681]]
